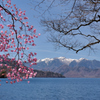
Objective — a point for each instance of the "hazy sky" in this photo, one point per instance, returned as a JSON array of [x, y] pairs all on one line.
[[45, 49]]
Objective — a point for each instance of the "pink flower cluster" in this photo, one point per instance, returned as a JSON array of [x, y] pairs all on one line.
[[16, 37]]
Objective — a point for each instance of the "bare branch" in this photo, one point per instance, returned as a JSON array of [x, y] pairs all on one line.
[[67, 26]]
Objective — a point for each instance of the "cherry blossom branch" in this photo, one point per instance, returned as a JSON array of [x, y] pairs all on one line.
[[14, 41]]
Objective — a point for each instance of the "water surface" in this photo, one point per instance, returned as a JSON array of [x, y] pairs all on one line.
[[52, 89]]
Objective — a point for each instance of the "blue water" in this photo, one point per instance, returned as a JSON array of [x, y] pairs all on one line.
[[52, 89]]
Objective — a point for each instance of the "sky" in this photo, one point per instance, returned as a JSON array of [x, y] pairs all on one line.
[[45, 49]]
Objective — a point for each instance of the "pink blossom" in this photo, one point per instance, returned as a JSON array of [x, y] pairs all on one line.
[[20, 70], [20, 18], [19, 15], [16, 12], [35, 53], [14, 4], [1, 31], [27, 48], [24, 13], [15, 40], [11, 82], [22, 54], [35, 73], [34, 30], [25, 17], [39, 34]]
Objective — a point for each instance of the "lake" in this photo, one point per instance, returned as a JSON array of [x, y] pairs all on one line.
[[52, 89]]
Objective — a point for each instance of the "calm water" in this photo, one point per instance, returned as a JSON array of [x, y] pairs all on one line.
[[52, 89]]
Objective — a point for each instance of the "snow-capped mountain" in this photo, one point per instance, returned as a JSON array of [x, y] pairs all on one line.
[[70, 67], [46, 60], [50, 64], [62, 59]]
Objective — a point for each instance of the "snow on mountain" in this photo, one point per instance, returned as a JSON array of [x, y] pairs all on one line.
[[69, 67], [62, 59], [78, 60], [46, 60], [65, 60]]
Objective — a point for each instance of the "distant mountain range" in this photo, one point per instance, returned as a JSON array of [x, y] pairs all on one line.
[[70, 67]]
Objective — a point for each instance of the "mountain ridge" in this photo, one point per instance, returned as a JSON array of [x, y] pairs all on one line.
[[63, 59], [70, 67]]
